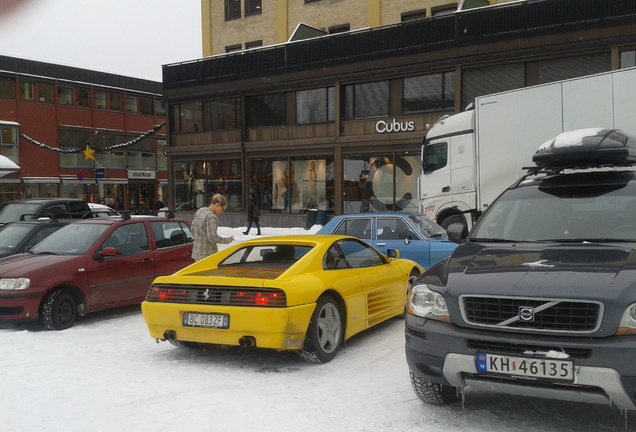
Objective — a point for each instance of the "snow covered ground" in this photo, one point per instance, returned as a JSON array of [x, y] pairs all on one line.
[[107, 374]]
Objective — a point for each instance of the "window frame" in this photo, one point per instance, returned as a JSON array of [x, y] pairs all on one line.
[[230, 9], [253, 7]]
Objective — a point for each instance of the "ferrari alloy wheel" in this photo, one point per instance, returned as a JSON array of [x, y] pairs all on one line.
[[325, 332]]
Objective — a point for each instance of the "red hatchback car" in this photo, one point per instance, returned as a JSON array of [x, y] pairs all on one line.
[[91, 265]]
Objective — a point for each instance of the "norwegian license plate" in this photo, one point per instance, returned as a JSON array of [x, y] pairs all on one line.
[[219, 321], [526, 367]]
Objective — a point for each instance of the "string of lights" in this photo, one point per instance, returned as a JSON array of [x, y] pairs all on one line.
[[132, 142]]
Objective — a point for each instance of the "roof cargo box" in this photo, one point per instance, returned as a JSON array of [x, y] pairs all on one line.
[[584, 148]]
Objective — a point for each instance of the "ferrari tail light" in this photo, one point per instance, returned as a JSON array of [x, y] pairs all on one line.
[[217, 295], [166, 294], [254, 298]]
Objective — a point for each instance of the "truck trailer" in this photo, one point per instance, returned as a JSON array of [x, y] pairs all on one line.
[[469, 158]]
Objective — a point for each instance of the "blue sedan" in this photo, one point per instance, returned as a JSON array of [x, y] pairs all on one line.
[[416, 236]]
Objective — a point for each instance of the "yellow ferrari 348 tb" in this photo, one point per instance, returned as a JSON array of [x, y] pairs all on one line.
[[305, 293]]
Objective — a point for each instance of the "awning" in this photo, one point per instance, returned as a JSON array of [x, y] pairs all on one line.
[[40, 179], [7, 166]]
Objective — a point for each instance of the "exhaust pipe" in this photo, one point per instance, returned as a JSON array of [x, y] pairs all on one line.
[[170, 335], [247, 341]]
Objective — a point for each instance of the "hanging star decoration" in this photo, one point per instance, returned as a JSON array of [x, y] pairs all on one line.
[[89, 153]]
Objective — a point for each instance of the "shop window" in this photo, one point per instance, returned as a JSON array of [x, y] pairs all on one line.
[[425, 93], [75, 189], [73, 139], [196, 181], [118, 159], [64, 95], [253, 44], [111, 159], [99, 99], [628, 59], [266, 110], [380, 182], [26, 90], [75, 160], [232, 9], [315, 106], [49, 190], [131, 104], [9, 191], [253, 7], [116, 102], [82, 97], [413, 15], [190, 117], [7, 88], [366, 100], [140, 160], [111, 194], [225, 113], [146, 105], [293, 185], [45, 92]]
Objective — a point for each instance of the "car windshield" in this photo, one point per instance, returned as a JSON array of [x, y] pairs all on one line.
[[266, 256], [11, 212], [73, 239], [12, 235], [563, 213], [427, 227]]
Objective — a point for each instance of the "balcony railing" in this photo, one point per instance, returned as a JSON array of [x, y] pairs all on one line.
[[520, 19]]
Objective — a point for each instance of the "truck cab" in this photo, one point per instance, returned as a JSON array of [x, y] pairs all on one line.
[[447, 183]]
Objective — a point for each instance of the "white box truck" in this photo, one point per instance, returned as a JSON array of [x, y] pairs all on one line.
[[469, 158]]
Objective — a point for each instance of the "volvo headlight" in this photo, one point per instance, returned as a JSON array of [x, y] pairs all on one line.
[[628, 321], [14, 284], [427, 303]]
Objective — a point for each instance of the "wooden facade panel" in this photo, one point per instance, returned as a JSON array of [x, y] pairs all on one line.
[[205, 138], [319, 130]]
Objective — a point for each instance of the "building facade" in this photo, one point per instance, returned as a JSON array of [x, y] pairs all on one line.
[[233, 25], [81, 133], [335, 123]]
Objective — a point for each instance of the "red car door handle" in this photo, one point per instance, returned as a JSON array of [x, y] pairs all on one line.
[[148, 260]]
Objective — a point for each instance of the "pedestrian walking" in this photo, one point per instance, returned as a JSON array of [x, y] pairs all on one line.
[[253, 215], [204, 229]]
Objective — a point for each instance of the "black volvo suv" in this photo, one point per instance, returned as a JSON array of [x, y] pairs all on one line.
[[540, 298]]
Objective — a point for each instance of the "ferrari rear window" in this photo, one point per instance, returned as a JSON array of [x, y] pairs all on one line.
[[266, 256]]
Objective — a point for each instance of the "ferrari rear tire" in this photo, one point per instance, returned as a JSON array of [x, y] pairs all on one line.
[[59, 310], [433, 393], [325, 333]]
